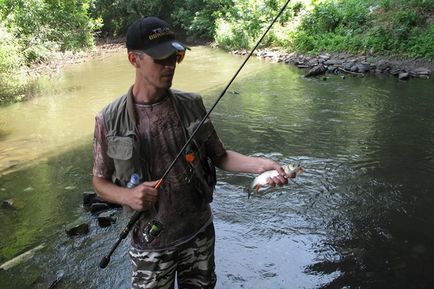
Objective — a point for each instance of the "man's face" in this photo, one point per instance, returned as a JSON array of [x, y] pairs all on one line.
[[156, 73]]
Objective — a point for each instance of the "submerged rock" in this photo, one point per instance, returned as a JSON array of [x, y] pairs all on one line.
[[98, 207], [8, 204], [78, 227], [106, 219], [92, 202], [89, 198]]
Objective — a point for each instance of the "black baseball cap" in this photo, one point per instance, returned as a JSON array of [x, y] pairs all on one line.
[[154, 37]]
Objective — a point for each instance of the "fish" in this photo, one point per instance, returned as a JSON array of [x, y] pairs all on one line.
[[261, 181]]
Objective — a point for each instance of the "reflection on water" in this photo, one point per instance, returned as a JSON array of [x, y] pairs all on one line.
[[360, 216]]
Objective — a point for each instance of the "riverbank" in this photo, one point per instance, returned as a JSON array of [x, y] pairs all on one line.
[[346, 63], [315, 65], [103, 48]]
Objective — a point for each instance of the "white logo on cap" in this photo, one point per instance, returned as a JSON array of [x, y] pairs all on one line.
[[160, 32]]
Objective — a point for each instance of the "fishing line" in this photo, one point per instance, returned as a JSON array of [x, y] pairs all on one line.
[[136, 216]]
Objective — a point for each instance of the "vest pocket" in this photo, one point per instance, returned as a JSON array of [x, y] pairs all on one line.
[[120, 147]]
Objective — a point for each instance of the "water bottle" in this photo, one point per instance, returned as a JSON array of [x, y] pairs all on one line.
[[134, 181]]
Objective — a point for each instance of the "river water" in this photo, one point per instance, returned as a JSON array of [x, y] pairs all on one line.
[[361, 216]]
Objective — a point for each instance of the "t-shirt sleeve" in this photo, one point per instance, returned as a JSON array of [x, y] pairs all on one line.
[[215, 147], [103, 165]]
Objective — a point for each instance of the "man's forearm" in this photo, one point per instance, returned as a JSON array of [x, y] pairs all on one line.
[[109, 191], [141, 197], [236, 162]]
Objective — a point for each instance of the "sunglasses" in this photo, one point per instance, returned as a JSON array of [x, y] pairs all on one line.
[[175, 57]]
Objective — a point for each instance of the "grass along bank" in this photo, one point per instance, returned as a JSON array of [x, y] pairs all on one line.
[[403, 28]]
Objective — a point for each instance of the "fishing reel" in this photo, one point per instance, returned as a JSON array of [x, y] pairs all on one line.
[[152, 230]]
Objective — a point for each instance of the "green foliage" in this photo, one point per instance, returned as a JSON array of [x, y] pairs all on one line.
[[12, 74], [245, 21], [117, 15], [198, 17], [45, 26], [386, 26], [421, 43], [330, 15], [426, 5], [35, 29]]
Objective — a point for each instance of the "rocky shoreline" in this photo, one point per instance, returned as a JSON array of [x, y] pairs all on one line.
[[345, 63], [315, 65]]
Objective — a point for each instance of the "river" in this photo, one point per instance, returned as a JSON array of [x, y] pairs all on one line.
[[361, 216]]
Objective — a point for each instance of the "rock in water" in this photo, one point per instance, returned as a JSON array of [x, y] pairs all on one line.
[[317, 70], [8, 204], [79, 227]]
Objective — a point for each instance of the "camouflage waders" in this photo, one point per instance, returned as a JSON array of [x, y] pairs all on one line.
[[193, 263]]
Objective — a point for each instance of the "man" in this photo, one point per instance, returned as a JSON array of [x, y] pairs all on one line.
[[141, 133]]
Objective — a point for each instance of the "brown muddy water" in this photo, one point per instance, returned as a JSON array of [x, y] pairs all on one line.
[[361, 216]]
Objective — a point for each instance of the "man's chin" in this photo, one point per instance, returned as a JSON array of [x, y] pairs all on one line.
[[166, 84]]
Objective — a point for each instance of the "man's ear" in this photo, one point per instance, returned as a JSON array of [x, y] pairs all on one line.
[[134, 59]]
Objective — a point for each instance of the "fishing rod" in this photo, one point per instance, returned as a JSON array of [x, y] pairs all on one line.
[[136, 216]]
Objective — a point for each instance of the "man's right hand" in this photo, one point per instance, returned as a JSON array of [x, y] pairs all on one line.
[[141, 197]]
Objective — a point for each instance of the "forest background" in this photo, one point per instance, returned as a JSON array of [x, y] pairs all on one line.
[[34, 31]]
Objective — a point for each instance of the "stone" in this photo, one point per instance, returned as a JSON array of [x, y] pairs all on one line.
[[78, 227], [347, 66], [330, 62], [301, 66], [98, 207], [383, 65], [325, 56], [354, 68], [422, 71], [404, 76], [8, 204], [317, 70], [331, 69], [89, 198], [105, 219], [312, 61], [363, 67], [395, 71]]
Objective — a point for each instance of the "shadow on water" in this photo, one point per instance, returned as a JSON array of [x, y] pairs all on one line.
[[48, 196]]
